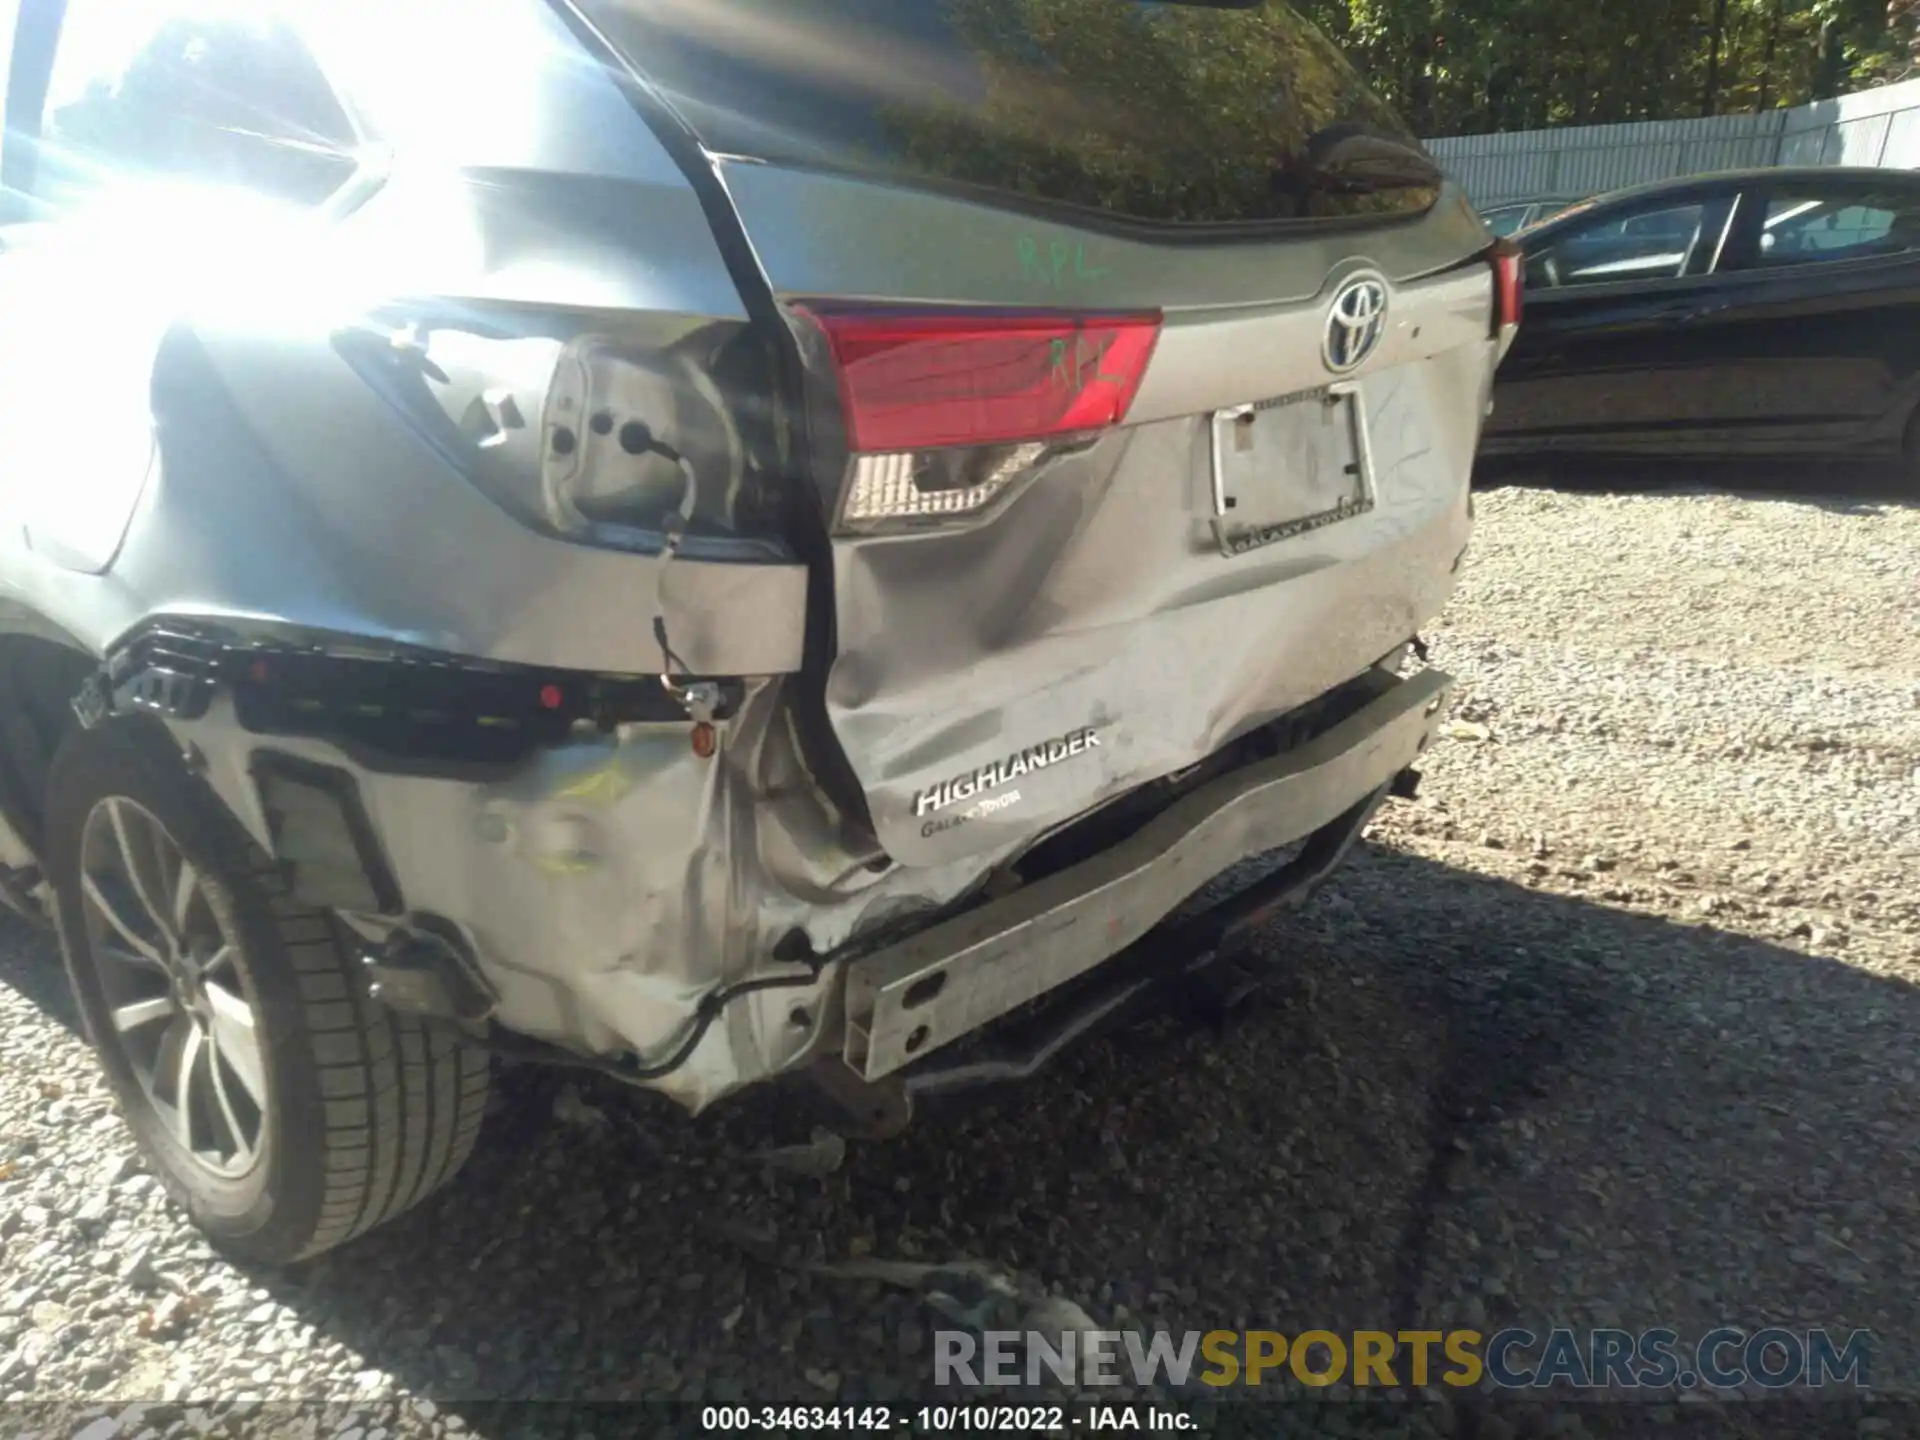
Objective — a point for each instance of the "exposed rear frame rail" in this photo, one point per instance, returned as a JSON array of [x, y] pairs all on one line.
[[910, 999], [1166, 956]]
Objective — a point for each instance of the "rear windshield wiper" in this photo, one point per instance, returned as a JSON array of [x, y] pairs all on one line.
[[1353, 160], [1358, 159]]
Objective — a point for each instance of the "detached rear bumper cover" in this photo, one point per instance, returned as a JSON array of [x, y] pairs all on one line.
[[909, 1000]]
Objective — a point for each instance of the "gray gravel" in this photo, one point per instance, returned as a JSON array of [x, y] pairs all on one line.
[[1615, 1025]]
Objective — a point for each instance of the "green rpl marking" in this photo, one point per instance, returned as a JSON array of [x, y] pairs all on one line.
[[1087, 356], [1063, 261]]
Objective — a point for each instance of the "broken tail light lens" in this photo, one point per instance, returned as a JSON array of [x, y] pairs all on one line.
[[606, 436], [944, 411]]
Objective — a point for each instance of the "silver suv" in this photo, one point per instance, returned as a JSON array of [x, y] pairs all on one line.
[[704, 539]]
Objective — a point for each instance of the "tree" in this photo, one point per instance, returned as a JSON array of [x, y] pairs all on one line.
[[1479, 65], [1719, 33]]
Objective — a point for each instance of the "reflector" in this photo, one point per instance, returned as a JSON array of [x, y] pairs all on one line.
[[1509, 283], [907, 486]]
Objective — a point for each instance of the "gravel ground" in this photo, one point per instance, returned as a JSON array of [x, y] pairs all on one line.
[[1614, 1025]]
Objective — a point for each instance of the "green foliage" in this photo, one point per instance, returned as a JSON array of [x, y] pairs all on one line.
[[1466, 66]]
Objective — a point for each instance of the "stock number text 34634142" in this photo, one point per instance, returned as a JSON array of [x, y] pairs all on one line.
[[962, 1419]]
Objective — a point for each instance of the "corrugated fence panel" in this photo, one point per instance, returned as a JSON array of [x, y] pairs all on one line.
[[1806, 147], [1903, 139], [1856, 142], [1877, 127]]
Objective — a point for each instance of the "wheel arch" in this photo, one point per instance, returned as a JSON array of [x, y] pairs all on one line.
[[42, 668]]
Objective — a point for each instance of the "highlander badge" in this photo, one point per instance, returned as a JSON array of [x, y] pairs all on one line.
[[991, 777]]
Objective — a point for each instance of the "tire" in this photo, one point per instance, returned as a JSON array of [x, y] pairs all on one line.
[[323, 1114]]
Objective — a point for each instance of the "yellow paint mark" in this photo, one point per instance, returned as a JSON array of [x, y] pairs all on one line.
[[603, 786], [563, 864]]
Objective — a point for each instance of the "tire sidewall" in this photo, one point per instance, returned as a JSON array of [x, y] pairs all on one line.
[[278, 1201]]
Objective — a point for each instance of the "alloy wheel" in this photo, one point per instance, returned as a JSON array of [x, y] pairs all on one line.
[[177, 1001]]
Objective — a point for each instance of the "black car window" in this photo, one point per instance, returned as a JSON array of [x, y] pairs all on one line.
[[205, 90], [1187, 112], [1809, 226], [1507, 219], [1658, 244]]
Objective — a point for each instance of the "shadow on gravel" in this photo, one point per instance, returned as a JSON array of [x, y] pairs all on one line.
[[1461, 1102], [1846, 486], [30, 966], [1349, 1152]]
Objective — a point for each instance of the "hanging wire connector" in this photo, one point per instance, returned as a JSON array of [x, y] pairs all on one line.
[[674, 531]]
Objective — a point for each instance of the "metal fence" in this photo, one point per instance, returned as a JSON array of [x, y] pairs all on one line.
[[1876, 127]]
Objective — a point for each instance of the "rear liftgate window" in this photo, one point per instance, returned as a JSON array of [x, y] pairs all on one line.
[[1162, 111]]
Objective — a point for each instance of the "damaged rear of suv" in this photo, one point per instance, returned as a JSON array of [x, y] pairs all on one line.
[[724, 539]]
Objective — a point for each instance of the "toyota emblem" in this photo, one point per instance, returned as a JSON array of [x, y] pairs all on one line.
[[1356, 322]]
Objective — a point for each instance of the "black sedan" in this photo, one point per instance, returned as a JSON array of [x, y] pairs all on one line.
[[1765, 312]]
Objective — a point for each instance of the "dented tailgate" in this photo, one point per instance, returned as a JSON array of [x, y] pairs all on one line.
[[1251, 337], [1095, 633]]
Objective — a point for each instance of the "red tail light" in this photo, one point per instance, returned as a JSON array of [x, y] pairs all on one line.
[[1509, 283], [910, 380]]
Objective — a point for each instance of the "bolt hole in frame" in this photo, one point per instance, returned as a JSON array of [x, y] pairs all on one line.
[[1290, 465]]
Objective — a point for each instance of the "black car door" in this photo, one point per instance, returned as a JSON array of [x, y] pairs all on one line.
[[1827, 334], [1619, 345]]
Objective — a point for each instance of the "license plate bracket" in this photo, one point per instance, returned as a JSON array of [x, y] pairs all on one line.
[[1290, 465]]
